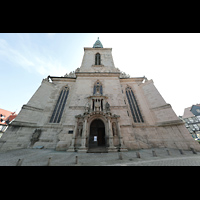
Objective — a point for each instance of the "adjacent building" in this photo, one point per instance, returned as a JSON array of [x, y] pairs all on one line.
[[6, 117], [191, 118], [97, 108]]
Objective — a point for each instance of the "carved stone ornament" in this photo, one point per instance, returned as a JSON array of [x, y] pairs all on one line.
[[78, 69], [124, 75], [107, 106], [70, 75], [87, 108]]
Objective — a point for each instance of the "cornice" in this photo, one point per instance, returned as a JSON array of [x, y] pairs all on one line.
[[133, 79], [97, 74], [65, 79], [95, 49]]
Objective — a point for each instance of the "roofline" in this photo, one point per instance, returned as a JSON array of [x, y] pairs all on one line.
[[62, 77], [90, 48]]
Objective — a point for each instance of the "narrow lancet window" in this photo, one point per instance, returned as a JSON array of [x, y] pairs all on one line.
[[135, 111], [60, 105], [97, 59]]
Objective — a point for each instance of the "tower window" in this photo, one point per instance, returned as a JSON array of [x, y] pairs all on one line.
[[97, 59], [58, 110], [135, 111]]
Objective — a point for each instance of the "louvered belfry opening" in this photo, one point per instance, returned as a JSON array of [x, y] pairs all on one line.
[[97, 59]]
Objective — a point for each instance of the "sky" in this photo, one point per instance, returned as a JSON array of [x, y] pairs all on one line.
[[171, 60]]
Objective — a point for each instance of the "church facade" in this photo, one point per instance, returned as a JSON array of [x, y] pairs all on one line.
[[97, 107]]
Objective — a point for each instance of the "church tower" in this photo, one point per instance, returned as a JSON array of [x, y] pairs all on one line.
[[97, 108]]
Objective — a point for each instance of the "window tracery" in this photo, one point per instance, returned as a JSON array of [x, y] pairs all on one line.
[[59, 108], [135, 111]]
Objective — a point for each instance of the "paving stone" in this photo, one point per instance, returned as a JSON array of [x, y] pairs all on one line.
[[40, 157]]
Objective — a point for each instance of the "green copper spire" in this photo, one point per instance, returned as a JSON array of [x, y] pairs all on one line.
[[97, 44]]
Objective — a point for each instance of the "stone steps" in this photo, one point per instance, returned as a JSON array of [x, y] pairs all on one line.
[[98, 150]]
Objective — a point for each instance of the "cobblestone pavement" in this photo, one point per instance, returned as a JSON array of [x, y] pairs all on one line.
[[40, 157]]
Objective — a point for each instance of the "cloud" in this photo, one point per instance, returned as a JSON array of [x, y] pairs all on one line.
[[12, 55], [32, 58], [49, 66]]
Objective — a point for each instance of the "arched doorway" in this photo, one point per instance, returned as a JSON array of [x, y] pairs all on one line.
[[97, 140]]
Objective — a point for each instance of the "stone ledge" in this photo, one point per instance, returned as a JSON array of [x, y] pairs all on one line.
[[28, 107], [65, 79], [97, 74], [170, 123], [162, 107], [132, 79], [97, 65], [95, 49], [26, 124]]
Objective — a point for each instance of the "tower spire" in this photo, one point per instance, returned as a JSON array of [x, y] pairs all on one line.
[[97, 44]]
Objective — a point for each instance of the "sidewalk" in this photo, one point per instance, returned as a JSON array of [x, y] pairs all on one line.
[[44, 157]]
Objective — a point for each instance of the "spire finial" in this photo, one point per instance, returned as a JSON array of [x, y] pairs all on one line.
[[98, 38]]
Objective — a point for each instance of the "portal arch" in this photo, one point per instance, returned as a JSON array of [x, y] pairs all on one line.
[[97, 126], [97, 134]]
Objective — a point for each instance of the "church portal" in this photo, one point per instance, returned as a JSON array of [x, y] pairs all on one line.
[[97, 138]]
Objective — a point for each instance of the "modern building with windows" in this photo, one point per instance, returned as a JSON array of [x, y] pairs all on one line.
[[191, 118], [97, 108]]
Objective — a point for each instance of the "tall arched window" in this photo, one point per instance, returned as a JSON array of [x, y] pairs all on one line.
[[58, 110], [97, 59], [98, 89], [137, 117]]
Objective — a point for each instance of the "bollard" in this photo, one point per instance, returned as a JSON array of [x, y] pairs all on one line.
[[76, 162], [181, 151], [138, 154], [168, 152], [49, 162], [120, 156], [19, 162], [154, 153], [193, 150]]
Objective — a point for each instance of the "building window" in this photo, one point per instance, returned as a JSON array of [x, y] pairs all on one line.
[[191, 127], [135, 111], [190, 130], [58, 110], [196, 127], [97, 59], [198, 117], [191, 120], [98, 89]]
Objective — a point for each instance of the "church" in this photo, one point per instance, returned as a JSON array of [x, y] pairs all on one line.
[[97, 108]]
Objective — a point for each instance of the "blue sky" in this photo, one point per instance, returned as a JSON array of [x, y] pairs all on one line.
[[170, 59]]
